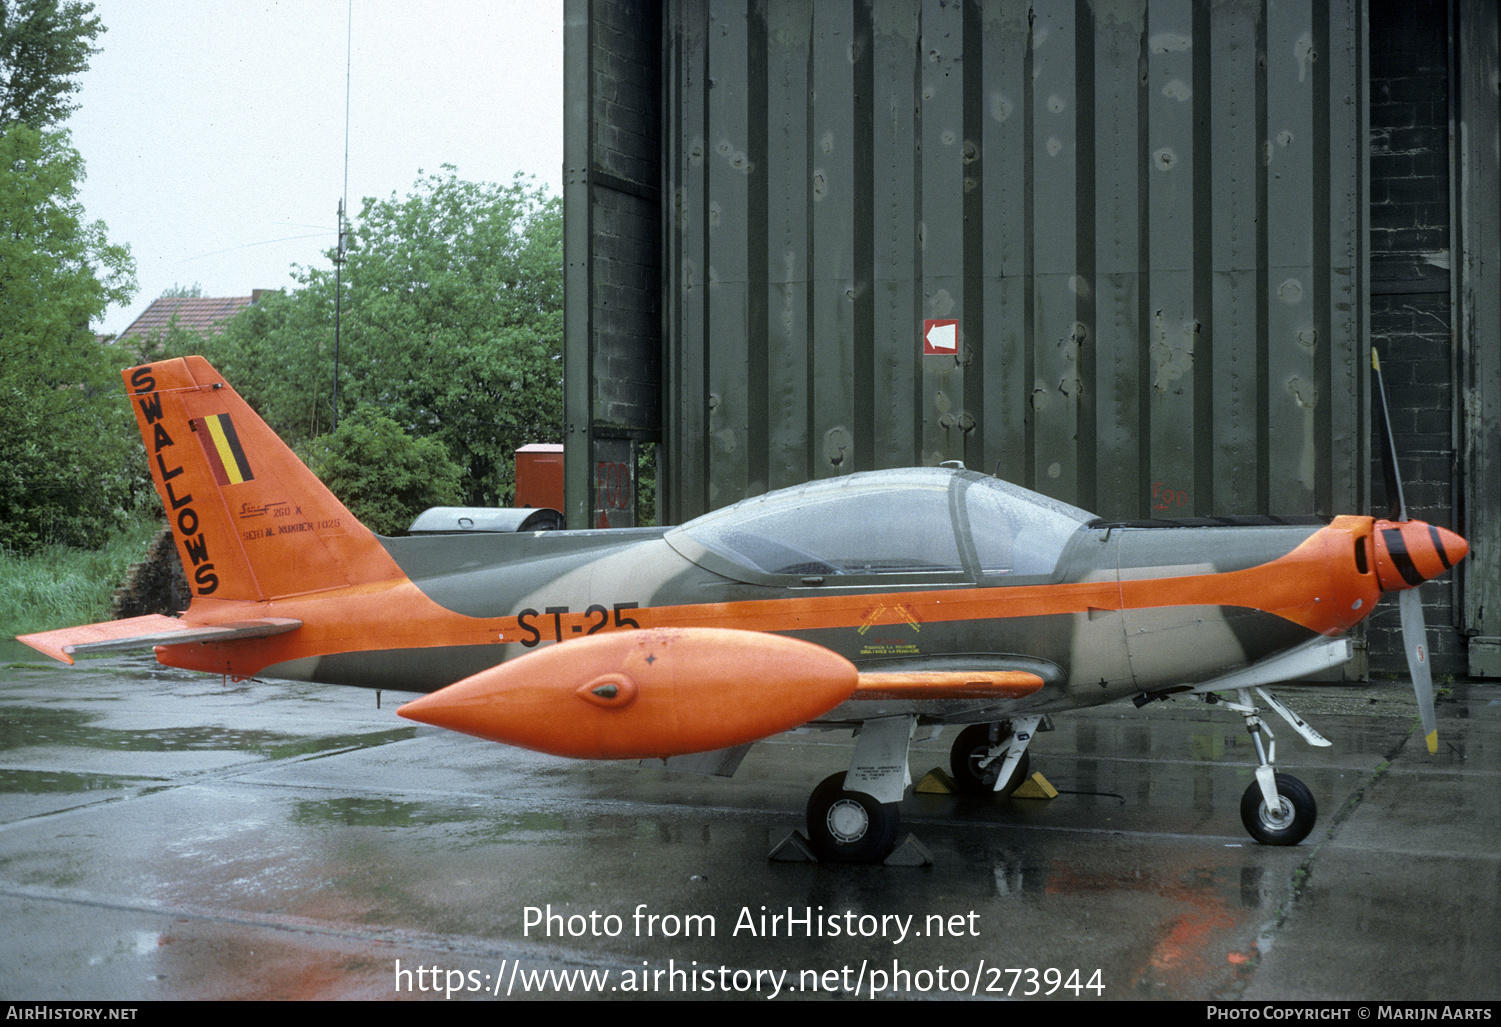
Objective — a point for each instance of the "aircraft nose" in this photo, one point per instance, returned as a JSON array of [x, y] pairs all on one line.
[[1408, 553]]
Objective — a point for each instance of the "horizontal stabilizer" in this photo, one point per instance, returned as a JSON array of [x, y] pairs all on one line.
[[145, 632]]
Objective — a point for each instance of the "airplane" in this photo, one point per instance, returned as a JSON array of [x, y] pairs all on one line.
[[877, 601]]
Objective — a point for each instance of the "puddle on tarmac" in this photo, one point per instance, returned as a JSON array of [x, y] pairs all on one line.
[[37, 782], [368, 812], [26, 726]]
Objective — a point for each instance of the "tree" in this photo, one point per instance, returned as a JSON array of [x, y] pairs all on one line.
[[383, 475], [452, 326], [66, 440], [43, 45]]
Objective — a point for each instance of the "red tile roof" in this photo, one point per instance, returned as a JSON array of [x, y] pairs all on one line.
[[194, 313]]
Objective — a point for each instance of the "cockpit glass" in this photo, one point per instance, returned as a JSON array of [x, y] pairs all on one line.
[[917, 521], [1015, 531], [834, 528]]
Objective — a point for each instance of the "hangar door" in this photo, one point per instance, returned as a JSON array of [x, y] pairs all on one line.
[[1110, 250]]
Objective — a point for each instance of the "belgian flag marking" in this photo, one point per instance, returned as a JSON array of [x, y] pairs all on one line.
[[222, 447]]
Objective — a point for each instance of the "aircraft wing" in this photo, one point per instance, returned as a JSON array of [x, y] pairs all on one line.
[[146, 632]]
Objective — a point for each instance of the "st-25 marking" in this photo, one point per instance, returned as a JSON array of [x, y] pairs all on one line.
[[522, 620]]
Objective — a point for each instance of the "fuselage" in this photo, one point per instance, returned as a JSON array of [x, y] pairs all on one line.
[[1120, 609]]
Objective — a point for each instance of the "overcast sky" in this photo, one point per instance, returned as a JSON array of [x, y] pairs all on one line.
[[213, 130]]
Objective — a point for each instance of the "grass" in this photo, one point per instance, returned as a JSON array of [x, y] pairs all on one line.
[[59, 586]]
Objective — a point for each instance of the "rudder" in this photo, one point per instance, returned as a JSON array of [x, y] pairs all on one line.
[[251, 522]]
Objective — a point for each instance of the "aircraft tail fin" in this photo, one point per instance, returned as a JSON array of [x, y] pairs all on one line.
[[251, 522]]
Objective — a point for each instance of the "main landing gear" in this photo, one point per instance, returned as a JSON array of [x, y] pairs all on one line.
[[851, 827], [855, 817], [978, 755]]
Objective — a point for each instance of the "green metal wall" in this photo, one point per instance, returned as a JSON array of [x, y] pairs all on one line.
[[1146, 219], [1476, 244], [612, 332]]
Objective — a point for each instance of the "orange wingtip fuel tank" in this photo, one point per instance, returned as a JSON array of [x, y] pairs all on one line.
[[651, 693]]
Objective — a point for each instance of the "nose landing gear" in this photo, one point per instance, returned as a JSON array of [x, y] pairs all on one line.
[[1277, 809]]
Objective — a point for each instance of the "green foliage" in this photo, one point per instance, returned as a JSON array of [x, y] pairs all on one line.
[[57, 586], [646, 485], [57, 271], [70, 459], [452, 324], [278, 354], [43, 45], [383, 475]]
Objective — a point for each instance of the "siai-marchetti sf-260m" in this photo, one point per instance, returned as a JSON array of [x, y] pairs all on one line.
[[877, 601]]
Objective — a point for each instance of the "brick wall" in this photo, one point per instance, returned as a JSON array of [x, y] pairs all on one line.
[[1411, 318]]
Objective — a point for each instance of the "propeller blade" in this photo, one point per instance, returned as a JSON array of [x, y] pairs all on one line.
[[1396, 504], [1415, 641]]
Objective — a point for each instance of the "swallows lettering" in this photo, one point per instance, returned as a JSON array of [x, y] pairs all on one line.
[[184, 517]]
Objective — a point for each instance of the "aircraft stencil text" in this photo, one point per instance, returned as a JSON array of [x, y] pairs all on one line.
[[595, 618]]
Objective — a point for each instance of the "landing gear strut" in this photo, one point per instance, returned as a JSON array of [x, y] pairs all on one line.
[[854, 817], [1277, 809]]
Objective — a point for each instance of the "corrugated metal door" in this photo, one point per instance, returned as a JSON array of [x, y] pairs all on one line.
[[1138, 228], [1477, 302]]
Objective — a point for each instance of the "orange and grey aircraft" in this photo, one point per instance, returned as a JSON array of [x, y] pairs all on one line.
[[880, 601]]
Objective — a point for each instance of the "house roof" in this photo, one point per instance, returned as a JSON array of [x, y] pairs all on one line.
[[194, 313]]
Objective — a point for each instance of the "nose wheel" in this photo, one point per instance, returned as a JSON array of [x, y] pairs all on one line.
[[1288, 823], [850, 827]]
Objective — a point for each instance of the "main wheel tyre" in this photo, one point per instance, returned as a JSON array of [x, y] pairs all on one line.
[[850, 827], [972, 746], [1290, 823]]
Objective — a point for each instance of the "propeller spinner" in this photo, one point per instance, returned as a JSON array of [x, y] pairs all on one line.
[[1408, 553]]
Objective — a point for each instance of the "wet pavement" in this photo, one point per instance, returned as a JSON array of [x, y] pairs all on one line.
[[168, 835]]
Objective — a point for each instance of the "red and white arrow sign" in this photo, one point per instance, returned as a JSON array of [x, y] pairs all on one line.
[[940, 337]]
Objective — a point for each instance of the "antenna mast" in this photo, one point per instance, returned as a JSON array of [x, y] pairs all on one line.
[[343, 200]]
